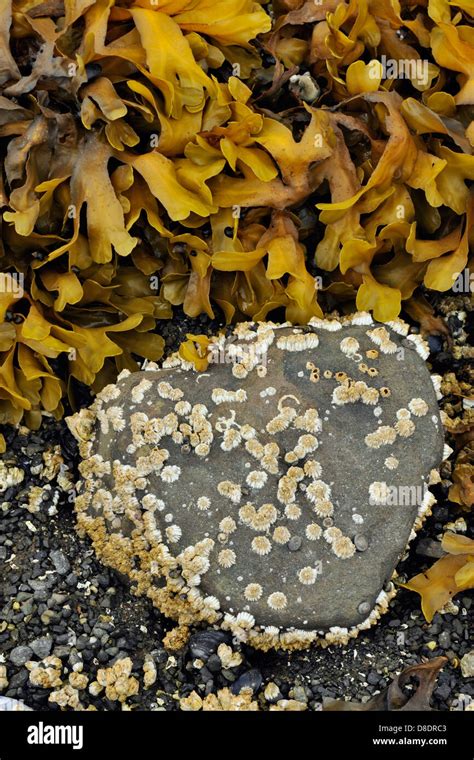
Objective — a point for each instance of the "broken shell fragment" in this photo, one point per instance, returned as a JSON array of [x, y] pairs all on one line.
[[204, 489]]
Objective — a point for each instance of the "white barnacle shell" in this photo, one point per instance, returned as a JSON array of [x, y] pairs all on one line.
[[202, 449], [231, 439], [115, 416], [277, 600], [166, 390], [152, 502], [317, 490], [447, 451], [399, 326], [272, 631], [222, 396], [307, 443], [203, 503], [403, 414], [200, 409], [293, 512], [227, 525], [230, 490], [212, 602], [421, 345], [437, 380], [108, 393], [171, 362], [282, 420], [239, 371], [343, 547], [313, 532], [255, 448], [312, 468], [170, 473], [183, 408], [383, 436], [324, 508], [139, 390], [286, 492], [370, 396], [173, 533], [245, 620], [426, 504], [264, 517], [307, 575], [330, 534], [418, 407], [298, 342], [379, 492], [405, 428], [247, 513], [362, 318], [309, 421], [253, 592], [261, 545], [256, 479], [330, 325], [340, 395], [281, 535], [247, 432], [349, 346], [226, 558], [381, 337]]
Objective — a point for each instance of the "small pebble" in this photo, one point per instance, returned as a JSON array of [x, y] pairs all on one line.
[[21, 654], [294, 544]]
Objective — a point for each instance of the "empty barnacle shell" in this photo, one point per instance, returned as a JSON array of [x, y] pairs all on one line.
[[245, 529]]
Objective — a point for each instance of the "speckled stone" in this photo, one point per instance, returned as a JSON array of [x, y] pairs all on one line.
[[344, 589]]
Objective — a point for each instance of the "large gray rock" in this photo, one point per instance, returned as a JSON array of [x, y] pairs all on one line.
[[284, 486]]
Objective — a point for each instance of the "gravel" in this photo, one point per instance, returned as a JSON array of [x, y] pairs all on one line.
[[21, 654], [467, 664], [60, 562], [42, 646]]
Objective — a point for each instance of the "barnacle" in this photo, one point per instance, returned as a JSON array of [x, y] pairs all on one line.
[[281, 535], [307, 575], [313, 531], [226, 558], [418, 407], [277, 600], [253, 592], [343, 547], [405, 428], [261, 545]]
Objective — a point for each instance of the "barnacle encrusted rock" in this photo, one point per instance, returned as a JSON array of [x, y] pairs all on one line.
[[273, 494]]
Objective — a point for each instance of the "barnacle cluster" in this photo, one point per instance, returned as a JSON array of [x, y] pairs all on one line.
[[284, 511], [208, 154]]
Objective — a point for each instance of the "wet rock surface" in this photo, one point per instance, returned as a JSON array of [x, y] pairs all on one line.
[[286, 485]]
